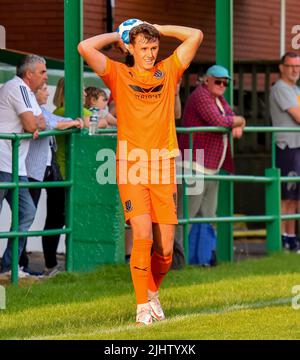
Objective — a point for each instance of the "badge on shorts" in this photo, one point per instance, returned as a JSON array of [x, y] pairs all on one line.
[[128, 206]]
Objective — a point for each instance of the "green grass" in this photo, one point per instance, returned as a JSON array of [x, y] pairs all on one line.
[[246, 300]]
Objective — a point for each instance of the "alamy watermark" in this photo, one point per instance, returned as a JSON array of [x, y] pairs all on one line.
[[140, 168], [296, 298], [296, 38], [2, 298]]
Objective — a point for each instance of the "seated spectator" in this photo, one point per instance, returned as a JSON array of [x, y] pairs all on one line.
[[42, 166], [20, 112], [98, 98]]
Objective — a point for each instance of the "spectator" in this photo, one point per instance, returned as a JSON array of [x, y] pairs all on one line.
[[59, 102], [285, 111], [42, 166], [206, 106], [98, 98], [19, 112]]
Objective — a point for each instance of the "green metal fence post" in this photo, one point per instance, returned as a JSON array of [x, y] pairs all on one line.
[[186, 215], [224, 56], [15, 210], [73, 101], [225, 230], [273, 197], [224, 45]]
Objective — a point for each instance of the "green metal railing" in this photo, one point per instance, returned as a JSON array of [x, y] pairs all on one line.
[[15, 185], [272, 181]]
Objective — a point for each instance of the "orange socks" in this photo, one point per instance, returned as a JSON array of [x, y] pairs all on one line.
[[140, 267], [160, 265]]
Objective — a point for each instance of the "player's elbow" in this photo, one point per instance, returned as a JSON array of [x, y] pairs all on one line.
[[199, 36], [81, 48]]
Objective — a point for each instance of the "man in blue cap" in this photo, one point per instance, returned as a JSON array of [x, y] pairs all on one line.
[[206, 106]]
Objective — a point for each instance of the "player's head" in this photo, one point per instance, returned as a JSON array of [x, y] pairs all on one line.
[[144, 46]]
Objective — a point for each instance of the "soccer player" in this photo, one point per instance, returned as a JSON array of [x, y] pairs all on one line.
[[144, 93]]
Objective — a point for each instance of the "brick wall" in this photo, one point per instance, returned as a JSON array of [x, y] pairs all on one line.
[[34, 26], [37, 25], [257, 28]]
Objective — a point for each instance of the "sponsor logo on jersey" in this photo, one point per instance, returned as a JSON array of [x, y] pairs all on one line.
[[139, 89]]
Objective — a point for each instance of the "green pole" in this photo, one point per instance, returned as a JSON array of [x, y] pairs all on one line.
[[15, 210], [224, 57], [273, 198], [186, 225], [73, 20], [273, 150], [224, 45], [73, 61], [225, 230]]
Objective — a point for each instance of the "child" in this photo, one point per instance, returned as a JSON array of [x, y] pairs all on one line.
[[96, 97]]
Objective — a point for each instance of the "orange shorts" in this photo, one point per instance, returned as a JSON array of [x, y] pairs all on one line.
[[148, 188]]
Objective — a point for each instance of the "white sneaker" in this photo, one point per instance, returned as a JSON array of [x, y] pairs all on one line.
[[21, 274], [51, 272], [156, 309], [143, 314]]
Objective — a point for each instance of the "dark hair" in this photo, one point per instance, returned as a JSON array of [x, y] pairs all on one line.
[[289, 54], [93, 92], [149, 32], [28, 62]]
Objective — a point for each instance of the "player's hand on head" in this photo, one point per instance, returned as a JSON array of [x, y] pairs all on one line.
[[121, 47], [157, 27]]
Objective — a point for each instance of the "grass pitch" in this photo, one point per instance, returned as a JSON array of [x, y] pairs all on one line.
[[247, 300]]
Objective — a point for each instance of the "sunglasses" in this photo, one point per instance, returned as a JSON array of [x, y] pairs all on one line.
[[222, 82]]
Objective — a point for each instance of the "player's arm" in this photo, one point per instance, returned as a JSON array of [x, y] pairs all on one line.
[[191, 40], [90, 48]]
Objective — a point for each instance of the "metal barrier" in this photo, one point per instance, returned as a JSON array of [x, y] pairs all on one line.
[[272, 180], [15, 185]]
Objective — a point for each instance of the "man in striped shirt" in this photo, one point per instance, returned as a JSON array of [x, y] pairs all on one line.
[[20, 112]]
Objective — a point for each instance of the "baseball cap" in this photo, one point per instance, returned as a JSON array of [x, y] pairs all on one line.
[[218, 71]]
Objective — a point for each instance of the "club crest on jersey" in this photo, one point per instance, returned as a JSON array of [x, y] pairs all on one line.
[[158, 74], [128, 206]]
